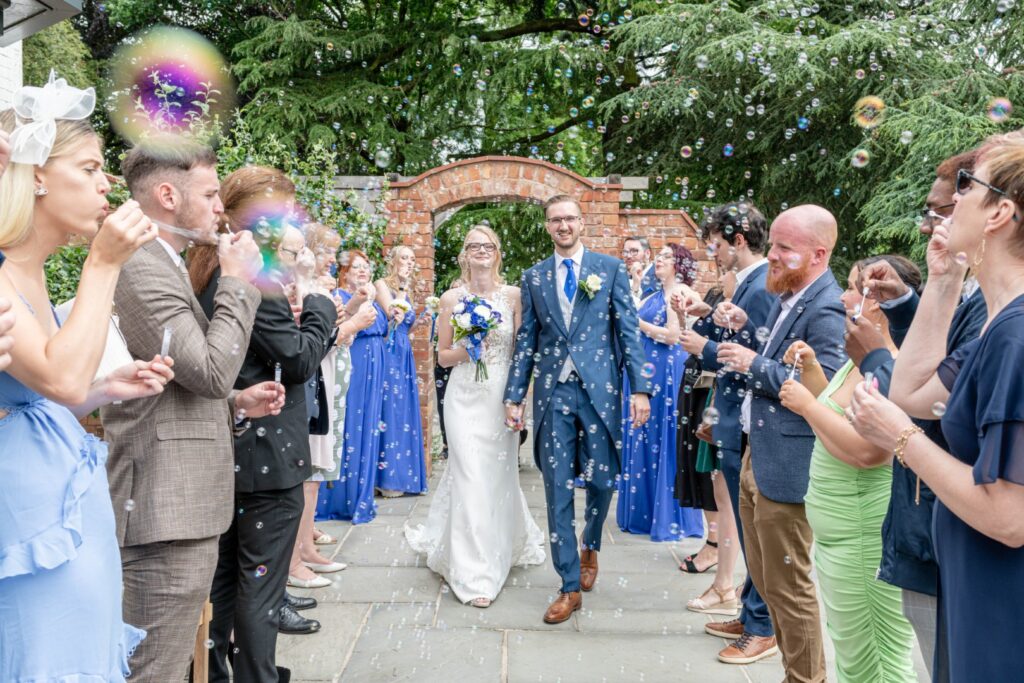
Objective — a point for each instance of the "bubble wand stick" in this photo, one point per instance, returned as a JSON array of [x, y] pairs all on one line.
[[860, 305]]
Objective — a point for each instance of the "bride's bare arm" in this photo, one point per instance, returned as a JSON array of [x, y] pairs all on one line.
[[513, 296]]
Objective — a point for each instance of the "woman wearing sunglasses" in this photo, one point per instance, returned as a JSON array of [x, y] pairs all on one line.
[[978, 527]]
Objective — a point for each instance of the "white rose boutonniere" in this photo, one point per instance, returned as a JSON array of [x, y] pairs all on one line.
[[591, 285]]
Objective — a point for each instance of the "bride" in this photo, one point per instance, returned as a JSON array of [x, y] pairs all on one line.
[[478, 526]]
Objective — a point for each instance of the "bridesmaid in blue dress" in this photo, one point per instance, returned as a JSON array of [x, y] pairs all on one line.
[[647, 502], [978, 393], [402, 468], [60, 567], [351, 497]]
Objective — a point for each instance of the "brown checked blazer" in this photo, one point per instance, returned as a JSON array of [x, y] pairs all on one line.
[[172, 455]]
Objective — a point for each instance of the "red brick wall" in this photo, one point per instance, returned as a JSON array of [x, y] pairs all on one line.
[[412, 204]]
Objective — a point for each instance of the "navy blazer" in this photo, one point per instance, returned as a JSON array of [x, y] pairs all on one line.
[[780, 440], [756, 302], [603, 336], [908, 558]]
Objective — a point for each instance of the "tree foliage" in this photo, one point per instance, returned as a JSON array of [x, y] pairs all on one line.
[[713, 99]]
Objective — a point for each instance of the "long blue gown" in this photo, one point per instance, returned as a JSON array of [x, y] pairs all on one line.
[[647, 502], [351, 497], [981, 581], [401, 466], [60, 568]]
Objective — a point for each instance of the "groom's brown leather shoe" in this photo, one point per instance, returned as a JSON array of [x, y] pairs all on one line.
[[588, 569], [563, 607]]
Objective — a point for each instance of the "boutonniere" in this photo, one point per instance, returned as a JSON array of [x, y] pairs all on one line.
[[591, 285]]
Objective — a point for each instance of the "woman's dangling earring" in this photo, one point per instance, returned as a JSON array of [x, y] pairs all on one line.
[[979, 257], [41, 191]]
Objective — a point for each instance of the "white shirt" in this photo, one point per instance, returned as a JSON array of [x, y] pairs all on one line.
[[561, 273], [745, 273], [175, 256], [788, 304]]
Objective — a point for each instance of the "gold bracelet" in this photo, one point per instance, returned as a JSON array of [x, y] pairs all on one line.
[[901, 446], [901, 442]]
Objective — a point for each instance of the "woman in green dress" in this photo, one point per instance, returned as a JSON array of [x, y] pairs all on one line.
[[846, 501]]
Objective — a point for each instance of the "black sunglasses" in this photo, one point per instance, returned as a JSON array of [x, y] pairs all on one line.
[[933, 216], [964, 180]]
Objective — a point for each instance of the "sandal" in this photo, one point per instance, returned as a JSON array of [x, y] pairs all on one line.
[[688, 565], [727, 604], [322, 538], [480, 602]]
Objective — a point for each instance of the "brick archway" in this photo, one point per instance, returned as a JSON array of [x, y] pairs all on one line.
[[413, 204]]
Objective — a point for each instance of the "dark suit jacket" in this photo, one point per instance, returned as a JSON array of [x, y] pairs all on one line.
[[756, 302], [274, 452], [781, 441]]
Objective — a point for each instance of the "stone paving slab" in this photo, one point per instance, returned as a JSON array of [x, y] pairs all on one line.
[[389, 618]]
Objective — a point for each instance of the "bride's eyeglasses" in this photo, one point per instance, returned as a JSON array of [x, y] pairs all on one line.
[[486, 247]]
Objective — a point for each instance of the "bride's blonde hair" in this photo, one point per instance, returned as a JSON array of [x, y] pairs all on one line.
[[493, 238]]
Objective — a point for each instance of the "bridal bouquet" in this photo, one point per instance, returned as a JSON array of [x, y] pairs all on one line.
[[396, 305], [432, 305], [473, 318]]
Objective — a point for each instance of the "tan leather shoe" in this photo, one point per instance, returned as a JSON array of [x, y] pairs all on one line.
[[588, 569], [748, 649], [731, 629], [563, 607]]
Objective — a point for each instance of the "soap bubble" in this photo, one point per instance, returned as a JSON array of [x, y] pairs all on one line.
[[869, 111], [999, 109], [938, 409], [860, 158]]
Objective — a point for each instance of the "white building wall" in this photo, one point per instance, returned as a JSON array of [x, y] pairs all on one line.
[[10, 73]]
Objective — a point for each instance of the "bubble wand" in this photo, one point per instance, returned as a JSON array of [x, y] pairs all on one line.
[[165, 346], [796, 361], [860, 304]]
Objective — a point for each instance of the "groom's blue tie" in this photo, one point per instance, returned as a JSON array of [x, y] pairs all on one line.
[[570, 281]]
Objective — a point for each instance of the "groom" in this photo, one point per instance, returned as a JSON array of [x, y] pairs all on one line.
[[579, 327]]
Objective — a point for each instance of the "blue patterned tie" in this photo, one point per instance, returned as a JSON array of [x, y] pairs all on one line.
[[570, 281]]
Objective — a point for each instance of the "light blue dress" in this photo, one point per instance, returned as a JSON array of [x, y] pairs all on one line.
[[401, 466], [647, 502], [60, 568]]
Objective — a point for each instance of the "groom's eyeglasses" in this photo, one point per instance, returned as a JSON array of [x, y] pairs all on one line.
[[486, 247], [568, 220]]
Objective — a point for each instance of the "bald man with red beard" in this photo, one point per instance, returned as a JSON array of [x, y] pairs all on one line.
[[776, 467]]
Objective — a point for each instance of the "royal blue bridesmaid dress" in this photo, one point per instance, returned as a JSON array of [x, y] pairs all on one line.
[[647, 502]]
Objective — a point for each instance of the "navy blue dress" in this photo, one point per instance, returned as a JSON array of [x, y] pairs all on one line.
[[981, 581], [351, 497]]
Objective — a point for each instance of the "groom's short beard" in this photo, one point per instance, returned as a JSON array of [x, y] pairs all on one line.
[[788, 280]]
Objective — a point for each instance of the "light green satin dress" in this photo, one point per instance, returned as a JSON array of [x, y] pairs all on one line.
[[845, 507]]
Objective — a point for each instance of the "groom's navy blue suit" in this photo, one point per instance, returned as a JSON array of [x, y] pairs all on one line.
[[577, 422]]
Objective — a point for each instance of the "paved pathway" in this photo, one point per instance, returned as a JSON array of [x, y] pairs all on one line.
[[389, 618]]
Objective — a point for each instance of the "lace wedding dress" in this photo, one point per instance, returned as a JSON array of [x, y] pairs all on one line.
[[479, 526]]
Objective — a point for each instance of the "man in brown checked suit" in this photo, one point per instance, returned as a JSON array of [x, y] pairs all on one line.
[[171, 463]]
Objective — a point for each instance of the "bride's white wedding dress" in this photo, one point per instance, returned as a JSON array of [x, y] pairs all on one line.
[[479, 526]]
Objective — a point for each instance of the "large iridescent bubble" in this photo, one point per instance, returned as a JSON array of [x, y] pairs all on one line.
[[169, 81]]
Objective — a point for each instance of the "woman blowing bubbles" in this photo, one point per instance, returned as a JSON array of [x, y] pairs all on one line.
[[978, 393]]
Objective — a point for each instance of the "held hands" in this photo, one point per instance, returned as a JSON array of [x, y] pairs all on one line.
[[139, 379], [796, 397], [875, 417], [514, 416], [260, 400], [685, 305], [862, 337], [639, 409], [738, 358], [882, 281], [692, 342], [801, 354], [6, 340], [121, 234], [239, 256], [730, 316]]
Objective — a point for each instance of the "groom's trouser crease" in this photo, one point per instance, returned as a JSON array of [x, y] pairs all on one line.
[[564, 438]]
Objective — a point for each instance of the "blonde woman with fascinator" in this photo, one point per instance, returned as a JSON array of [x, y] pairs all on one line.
[[402, 468], [478, 526], [60, 569]]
